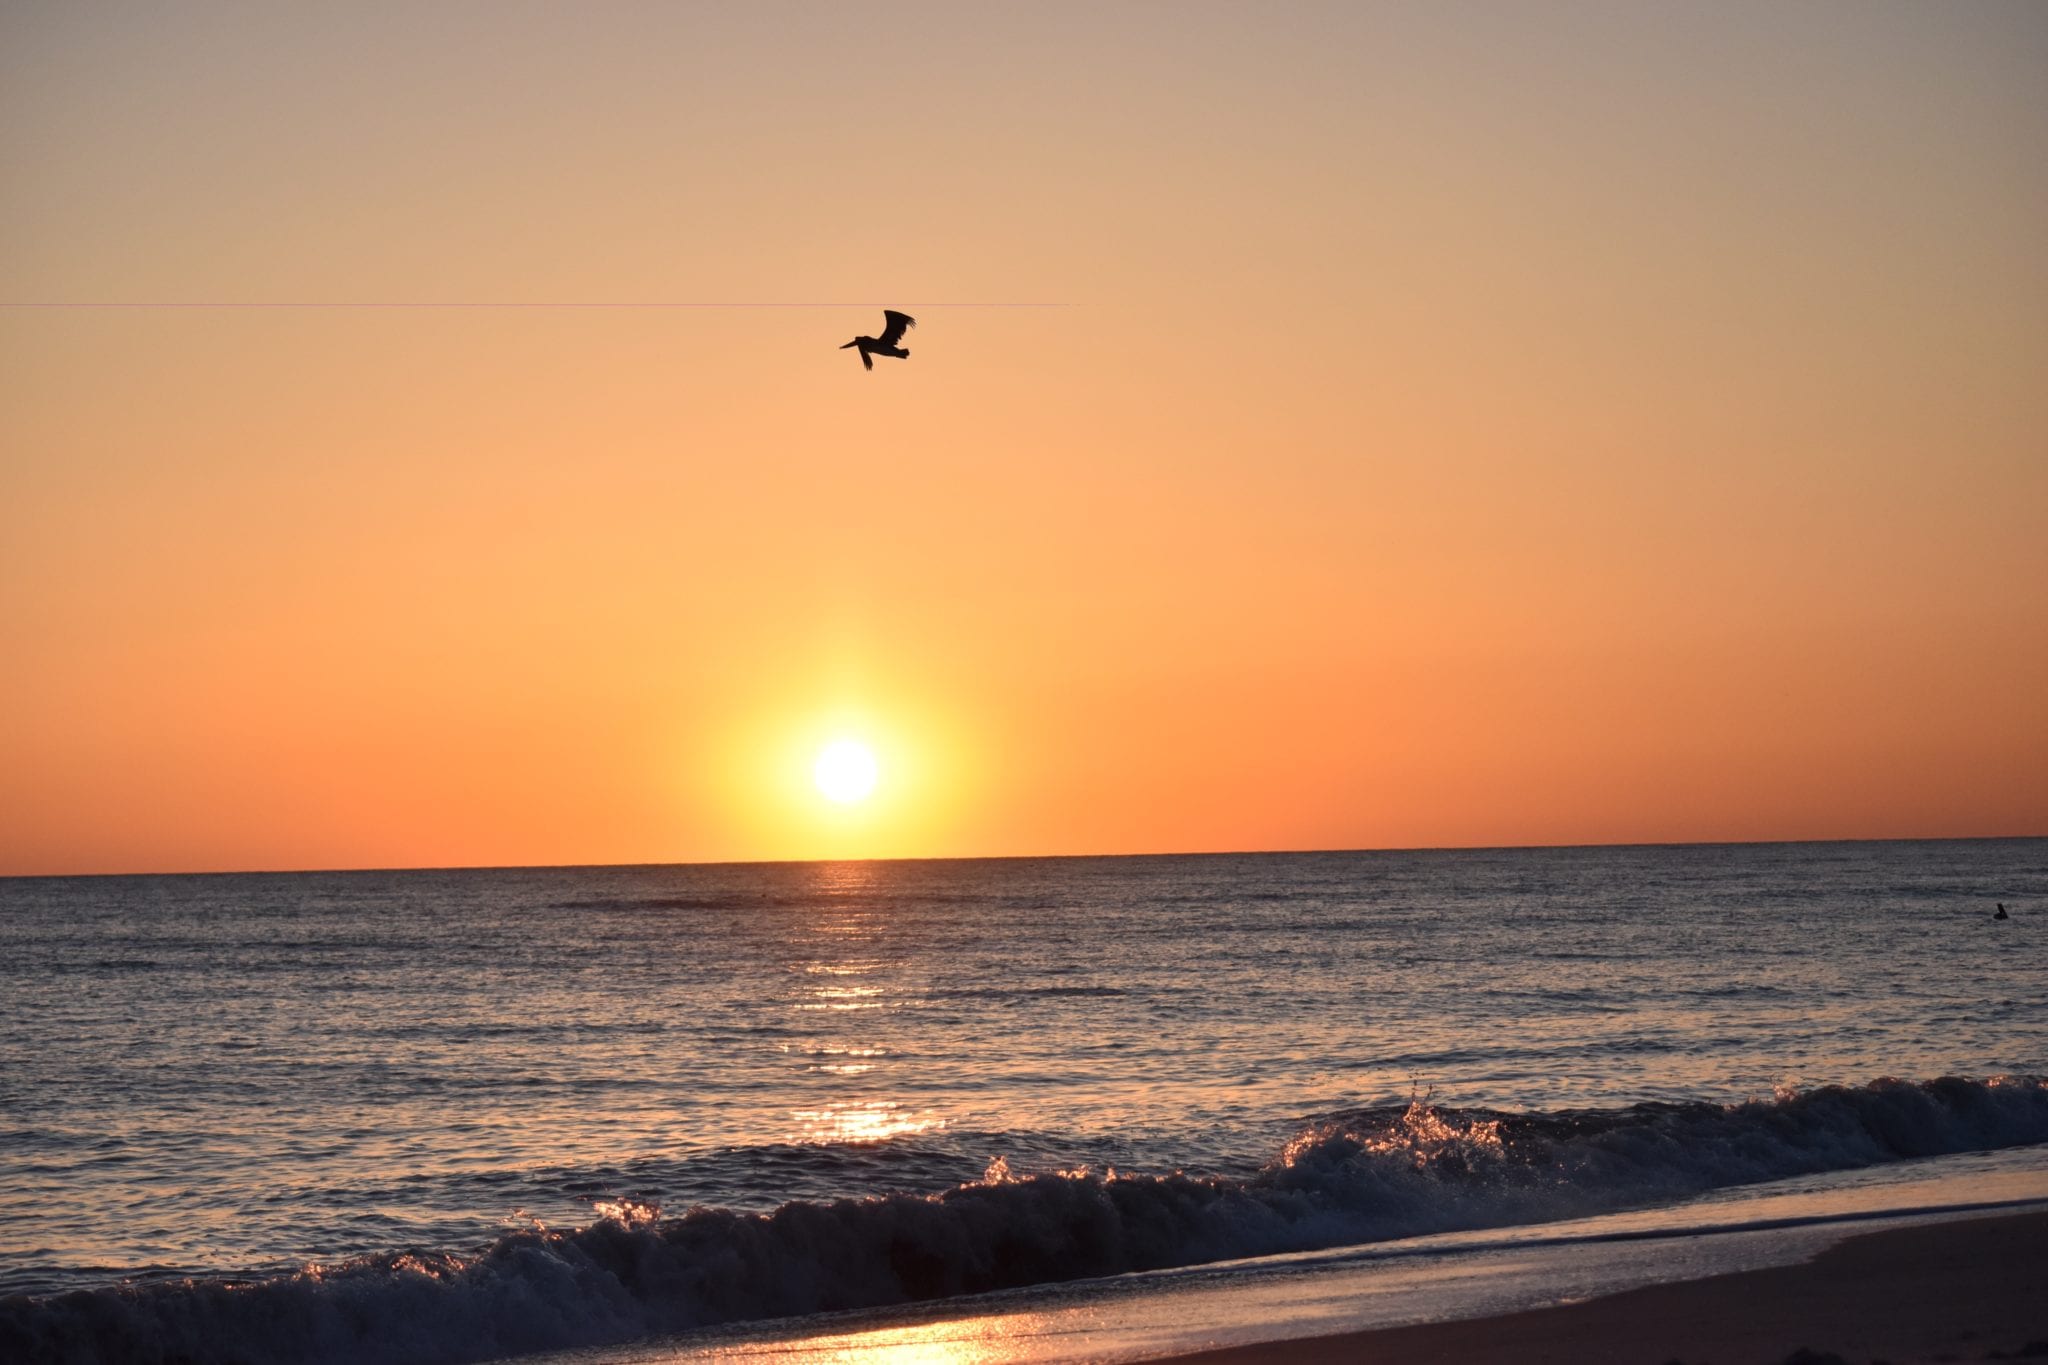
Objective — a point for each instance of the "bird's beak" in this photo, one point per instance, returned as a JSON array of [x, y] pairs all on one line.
[[849, 345]]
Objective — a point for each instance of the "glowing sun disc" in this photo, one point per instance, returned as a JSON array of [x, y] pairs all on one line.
[[846, 770]]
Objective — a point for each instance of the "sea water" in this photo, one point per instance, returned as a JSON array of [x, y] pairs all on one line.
[[435, 1116]]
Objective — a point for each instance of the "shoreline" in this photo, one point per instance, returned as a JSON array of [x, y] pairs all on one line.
[[1898, 1272], [1953, 1290]]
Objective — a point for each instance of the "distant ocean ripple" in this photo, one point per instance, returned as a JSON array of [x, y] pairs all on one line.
[[446, 1116]]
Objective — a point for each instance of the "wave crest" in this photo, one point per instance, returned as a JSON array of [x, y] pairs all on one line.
[[1358, 1177]]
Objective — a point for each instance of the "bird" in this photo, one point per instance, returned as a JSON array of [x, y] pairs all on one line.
[[2001, 912], [894, 325]]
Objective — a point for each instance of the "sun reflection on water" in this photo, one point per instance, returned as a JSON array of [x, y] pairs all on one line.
[[862, 1121], [844, 937], [955, 1341], [844, 998]]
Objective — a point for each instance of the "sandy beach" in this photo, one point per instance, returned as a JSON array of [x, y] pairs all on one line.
[[1952, 1291]]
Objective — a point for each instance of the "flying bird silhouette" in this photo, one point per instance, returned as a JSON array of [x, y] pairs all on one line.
[[894, 325]]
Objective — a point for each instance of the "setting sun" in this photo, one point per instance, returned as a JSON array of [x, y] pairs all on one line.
[[846, 770]]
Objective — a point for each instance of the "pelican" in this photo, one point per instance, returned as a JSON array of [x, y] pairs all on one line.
[[894, 325]]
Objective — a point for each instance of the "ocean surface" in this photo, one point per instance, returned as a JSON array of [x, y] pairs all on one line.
[[444, 1116]]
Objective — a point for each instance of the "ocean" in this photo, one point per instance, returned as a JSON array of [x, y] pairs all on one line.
[[437, 1116]]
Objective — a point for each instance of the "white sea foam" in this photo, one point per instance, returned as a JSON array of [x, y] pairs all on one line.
[[1359, 1177]]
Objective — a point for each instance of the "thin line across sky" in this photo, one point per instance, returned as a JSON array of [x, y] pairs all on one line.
[[55, 306]]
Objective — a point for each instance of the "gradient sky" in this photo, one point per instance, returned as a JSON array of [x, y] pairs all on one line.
[[1443, 425]]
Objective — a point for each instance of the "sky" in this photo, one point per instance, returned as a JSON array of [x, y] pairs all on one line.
[[423, 440]]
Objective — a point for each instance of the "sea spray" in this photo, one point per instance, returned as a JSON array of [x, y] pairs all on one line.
[[1362, 1176]]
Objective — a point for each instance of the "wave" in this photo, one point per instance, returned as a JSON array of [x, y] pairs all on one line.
[[1353, 1177]]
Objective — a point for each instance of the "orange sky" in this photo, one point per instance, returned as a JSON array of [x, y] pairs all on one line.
[[1457, 425]]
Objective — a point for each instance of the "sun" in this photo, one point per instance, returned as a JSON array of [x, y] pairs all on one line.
[[846, 771]]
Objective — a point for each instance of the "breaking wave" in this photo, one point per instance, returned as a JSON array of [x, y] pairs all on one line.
[[1364, 1176]]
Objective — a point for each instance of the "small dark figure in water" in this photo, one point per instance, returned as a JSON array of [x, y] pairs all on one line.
[[2001, 912], [894, 325]]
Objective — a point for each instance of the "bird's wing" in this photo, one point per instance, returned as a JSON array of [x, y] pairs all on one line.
[[898, 324], [867, 362]]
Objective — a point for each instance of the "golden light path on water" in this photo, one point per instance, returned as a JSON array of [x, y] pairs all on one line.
[[834, 947], [968, 1341]]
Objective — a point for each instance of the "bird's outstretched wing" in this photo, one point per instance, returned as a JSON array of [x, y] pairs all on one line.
[[897, 325]]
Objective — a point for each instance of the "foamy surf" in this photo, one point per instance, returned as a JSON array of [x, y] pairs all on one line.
[[1369, 1176], [1433, 1279]]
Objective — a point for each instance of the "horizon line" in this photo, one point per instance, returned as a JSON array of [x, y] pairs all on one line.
[[1037, 857]]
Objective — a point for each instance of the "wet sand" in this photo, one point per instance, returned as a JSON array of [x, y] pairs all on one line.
[[1950, 1291]]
